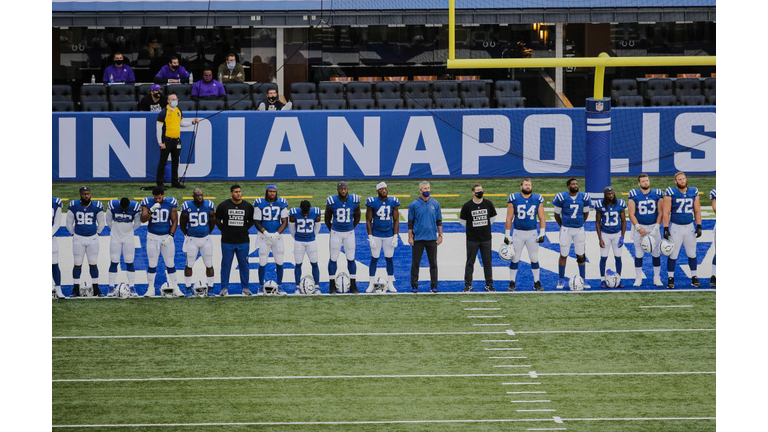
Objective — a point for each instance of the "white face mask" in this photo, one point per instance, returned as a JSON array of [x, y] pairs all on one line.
[[173, 104], [231, 65]]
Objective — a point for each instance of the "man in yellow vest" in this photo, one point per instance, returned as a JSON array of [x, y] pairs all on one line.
[[169, 122]]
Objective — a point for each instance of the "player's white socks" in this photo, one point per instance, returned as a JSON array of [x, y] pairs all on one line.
[[535, 274], [714, 270], [639, 272], [210, 282], [513, 274], [151, 282], [657, 272], [188, 281], [112, 279]]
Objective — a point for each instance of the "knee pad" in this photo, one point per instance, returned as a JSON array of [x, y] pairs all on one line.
[[581, 259]]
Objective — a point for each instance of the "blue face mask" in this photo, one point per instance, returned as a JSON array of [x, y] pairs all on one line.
[[425, 194], [173, 104]]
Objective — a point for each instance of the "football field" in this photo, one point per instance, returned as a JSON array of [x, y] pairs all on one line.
[[577, 361]]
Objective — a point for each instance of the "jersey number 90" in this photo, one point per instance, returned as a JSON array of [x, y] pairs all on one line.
[[160, 216]]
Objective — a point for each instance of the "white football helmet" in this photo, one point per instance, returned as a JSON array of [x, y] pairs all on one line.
[[612, 279], [666, 247], [122, 291], [200, 289], [342, 282], [648, 243], [506, 252], [307, 286], [576, 283], [86, 289], [270, 288], [166, 291], [380, 285]]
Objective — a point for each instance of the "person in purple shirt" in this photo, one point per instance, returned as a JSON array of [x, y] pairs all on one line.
[[172, 72], [121, 73], [208, 88]]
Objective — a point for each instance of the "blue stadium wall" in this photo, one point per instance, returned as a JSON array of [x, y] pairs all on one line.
[[373, 144]]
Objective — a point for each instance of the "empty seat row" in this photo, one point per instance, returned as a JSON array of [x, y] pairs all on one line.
[[184, 105], [664, 92]]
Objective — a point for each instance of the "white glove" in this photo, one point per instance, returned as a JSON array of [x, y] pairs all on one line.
[[168, 240], [276, 237], [184, 245], [267, 238], [395, 241], [155, 207], [542, 236], [370, 239]]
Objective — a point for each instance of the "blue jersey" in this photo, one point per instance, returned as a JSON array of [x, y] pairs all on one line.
[[118, 215], [198, 218], [343, 218], [610, 222], [270, 213], [56, 206], [160, 222], [305, 225], [646, 205], [526, 210], [713, 194], [682, 204], [382, 223], [85, 217], [572, 208]]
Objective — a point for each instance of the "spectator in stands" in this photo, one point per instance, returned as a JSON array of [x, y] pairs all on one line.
[[154, 101], [172, 73], [208, 88], [273, 103], [231, 71], [118, 72]]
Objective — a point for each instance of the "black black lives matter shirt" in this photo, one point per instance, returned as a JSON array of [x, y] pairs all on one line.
[[235, 220], [478, 217]]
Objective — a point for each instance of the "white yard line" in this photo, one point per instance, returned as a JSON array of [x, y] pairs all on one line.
[[279, 377], [147, 425], [517, 332], [671, 306]]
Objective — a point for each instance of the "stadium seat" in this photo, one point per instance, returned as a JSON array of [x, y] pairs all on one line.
[[333, 104], [259, 92], [663, 100], [623, 87], [687, 87], [183, 91], [386, 90], [389, 104], [422, 103], [359, 104], [448, 103], [92, 93], [359, 90], [237, 92], [658, 87], [303, 91], [692, 100], [476, 102], [95, 105], [211, 105], [62, 92], [629, 101], [712, 100], [416, 95], [123, 106], [330, 91], [63, 105], [445, 90], [510, 102], [504, 89], [187, 105], [121, 93], [143, 90], [471, 89], [304, 104], [240, 105], [709, 87]]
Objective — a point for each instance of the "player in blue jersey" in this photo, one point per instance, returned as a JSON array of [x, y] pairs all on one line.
[[644, 208], [270, 217], [304, 224], [123, 218], [85, 220], [713, 279], [681, 210], [342, 214], [197, 221], [571, 211], [611, 225], [162, 220], [382, 217], [56, 223], [523, 209]]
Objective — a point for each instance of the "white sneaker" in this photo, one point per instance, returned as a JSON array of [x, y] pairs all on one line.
[[657, 281], [638, 282], [391, 287], [150, 292]]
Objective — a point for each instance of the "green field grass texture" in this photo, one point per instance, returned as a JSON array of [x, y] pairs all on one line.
[[391, 358], [450, 193]]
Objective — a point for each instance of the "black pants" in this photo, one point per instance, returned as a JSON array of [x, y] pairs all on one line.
[[485, 255], [418, 251], [172, 147]]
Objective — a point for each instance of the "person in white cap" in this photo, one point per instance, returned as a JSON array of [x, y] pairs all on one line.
[[382, 219]]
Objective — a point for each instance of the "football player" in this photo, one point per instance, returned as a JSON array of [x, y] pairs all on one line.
[[610, 219], [681, 210], [713, 197], [571, 211], [123, 217], [342, 214], [382, 222], [56, 223], [85, 220], [304, 224], [197, 221], [270, 217], [644, 208], [163, 219], [523, 209]]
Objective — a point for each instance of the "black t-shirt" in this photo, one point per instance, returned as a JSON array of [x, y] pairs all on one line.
[[277, 106], [148, 104], [478, 217], [235, 221]]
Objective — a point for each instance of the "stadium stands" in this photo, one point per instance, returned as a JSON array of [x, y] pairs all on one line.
[[508, 94], [472, 94]]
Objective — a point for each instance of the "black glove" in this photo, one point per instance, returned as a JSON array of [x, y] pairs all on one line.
[[666, 233], [698, 231]]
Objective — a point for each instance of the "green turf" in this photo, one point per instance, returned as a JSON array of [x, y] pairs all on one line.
[[320, 190], [272, 337]]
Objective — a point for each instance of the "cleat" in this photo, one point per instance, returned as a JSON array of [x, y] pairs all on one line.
[[586, 285], [370, 288], [537, 286], [391, 287], [671, 283], [96, 291], [353, 286], [414, 289], [150, 292], [695, 282], [638, 282], [58, 294], [281, 292], [223, 292], [560, 284], [490, 288], [657, 281], [332, 286], [712, 281], [434, 290], [603, 285], [467, 288], [512, 286], [247, 292]]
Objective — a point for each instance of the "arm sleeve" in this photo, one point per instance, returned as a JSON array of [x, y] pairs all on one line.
[[101, 220], [56, 221], [159, 132], [109, 218], [71, 222], [292, 228], [318, 225], [136, 221], [186, 123]]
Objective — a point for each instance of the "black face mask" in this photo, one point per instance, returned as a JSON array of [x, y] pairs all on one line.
[[272, 99], [157, 95], [118, 64], [173, 68], [479, 194]]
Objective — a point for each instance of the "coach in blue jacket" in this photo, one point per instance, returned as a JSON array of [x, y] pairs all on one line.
[[425, 231]]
